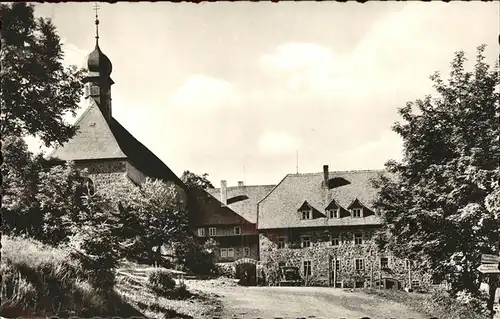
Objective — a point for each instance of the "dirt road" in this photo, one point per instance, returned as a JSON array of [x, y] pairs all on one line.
[[305, 302]]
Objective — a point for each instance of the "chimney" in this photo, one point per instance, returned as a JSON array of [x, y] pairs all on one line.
[[223, 192], [325, 176], [241, 184]]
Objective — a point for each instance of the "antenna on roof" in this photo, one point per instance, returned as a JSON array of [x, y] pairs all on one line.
[[244, 174], [297, 160]]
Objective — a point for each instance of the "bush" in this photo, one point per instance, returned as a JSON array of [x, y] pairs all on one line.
[[225, 269], [161, 282], [195, 256]]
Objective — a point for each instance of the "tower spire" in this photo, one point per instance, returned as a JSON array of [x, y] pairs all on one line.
[[96, 9]]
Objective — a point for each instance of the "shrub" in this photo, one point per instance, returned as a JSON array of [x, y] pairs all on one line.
[[225, 269], [161, 282], [194, 256]]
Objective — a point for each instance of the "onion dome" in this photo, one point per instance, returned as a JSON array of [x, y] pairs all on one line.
[[97, 61]]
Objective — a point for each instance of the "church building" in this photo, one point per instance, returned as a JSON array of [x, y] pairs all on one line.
[[111, 155]]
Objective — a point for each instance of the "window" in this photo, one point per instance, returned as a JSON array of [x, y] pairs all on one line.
[[201, 232], [306, 214], [306, 241], [246, 251], [336, 264], [358, 239], [356, 212], [334, 213], [359, 284], [407, 264], [230, 252], [307, 268], [384, 262], [94, 90], [237, 230], [212, 231], [335, 240], [359, 264], [415, 284], [87, 90], [281, 242], [223, 252]]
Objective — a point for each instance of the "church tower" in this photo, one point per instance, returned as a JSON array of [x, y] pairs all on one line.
[[97, 80]]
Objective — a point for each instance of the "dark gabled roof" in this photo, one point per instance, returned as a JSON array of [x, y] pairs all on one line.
[[141, 157], [332, 205], [279, 208], [305, 206], [246, 208], [97, 139]]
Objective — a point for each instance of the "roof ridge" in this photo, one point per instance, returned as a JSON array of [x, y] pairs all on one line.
[[272, 190], [344, 171], [247, 186]]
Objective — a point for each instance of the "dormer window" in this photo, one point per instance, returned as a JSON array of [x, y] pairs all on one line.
[[334, 213], [305, 211], [357, 212], [333, 210], [356, 208]]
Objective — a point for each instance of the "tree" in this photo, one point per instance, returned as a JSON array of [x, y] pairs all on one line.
[[37, 90], [194, 181], [433, 206], [20, 177], [151, 216]]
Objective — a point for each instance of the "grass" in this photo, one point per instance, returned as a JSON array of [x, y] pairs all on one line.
[[438, 304], [39, 280], [43, 281]]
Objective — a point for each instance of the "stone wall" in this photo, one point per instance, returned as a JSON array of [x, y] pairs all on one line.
[[323, 255], [108, 175], [119, 176]]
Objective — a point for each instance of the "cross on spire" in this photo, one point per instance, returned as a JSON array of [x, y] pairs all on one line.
[[96, 9]]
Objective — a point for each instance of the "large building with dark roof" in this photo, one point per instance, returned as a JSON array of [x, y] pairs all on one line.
[[324, 223]]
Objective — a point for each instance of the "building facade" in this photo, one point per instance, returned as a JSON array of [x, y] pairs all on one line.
[[324, 224], [229, 216]]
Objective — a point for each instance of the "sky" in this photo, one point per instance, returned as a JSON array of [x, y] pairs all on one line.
[[238, 89]]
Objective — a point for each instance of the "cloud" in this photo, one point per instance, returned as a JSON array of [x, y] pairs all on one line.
[[393, 59], [72, 54], [308, 66], [278, 143], [201, 91]]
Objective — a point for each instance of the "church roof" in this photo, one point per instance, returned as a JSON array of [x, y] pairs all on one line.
[[93, 139], [98, 139]]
